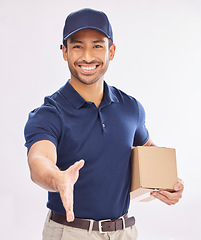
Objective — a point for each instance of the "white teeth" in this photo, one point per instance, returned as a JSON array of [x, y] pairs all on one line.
[[88, 68]]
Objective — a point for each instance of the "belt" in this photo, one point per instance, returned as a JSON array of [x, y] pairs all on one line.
[[101, 226]]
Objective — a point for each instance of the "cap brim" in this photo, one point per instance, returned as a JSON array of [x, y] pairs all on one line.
[[86, 27]]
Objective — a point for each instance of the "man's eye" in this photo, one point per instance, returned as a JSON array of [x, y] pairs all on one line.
[[77, 46], [98, 46]]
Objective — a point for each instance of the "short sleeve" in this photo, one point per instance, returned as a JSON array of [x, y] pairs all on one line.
[[44, 123], [141, 134]]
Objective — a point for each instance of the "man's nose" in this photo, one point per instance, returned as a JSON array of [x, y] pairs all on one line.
[[88, 55]]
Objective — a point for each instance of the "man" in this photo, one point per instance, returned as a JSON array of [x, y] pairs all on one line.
[[79, 141]]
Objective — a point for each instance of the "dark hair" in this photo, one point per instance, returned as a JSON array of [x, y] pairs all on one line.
[[65, 43], [109, 40]]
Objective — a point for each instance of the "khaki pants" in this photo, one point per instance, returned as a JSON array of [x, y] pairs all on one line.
[[56, 231]]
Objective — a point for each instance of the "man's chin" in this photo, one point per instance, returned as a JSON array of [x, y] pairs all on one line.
[[87, 81]]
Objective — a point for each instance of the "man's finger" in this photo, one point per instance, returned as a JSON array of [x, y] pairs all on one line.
[[179, 186], [160, 197], [69, 210], [170, 195], [164, 199], [77, 166], [67, 200], [70, 216]]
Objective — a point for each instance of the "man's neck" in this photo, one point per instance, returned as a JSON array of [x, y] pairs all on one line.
[[91, 93]]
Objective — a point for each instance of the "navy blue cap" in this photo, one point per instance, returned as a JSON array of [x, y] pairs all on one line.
[[87, 18]]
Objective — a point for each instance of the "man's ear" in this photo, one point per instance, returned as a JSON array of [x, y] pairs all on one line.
[[112, 52], [64, 50]]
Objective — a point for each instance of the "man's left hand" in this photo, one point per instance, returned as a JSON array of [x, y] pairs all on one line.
[[170, 198]]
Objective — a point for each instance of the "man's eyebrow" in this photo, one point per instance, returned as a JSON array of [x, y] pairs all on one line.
[[75, 41], [99, 41]]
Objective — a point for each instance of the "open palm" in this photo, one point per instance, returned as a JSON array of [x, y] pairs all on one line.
[[68, 178]]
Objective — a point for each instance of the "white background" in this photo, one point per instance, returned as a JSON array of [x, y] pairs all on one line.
[[158, 60]]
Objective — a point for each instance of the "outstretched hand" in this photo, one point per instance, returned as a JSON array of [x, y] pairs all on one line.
[[65, 186]]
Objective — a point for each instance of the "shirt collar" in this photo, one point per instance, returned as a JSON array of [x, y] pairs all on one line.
[[108, 96], [78, 101]]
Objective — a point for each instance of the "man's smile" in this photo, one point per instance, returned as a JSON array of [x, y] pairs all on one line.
[[88, 68]]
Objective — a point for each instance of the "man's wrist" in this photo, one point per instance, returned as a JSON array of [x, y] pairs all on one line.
[[55, 180]]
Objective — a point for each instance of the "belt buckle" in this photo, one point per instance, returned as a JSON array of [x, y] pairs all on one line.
[[100, 225]]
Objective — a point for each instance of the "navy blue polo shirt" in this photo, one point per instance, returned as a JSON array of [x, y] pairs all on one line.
[[102, 136]]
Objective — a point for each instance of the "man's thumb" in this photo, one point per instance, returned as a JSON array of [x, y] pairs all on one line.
[[78, 165]]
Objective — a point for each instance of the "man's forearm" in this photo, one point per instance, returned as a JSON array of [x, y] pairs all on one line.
[[44, 173]]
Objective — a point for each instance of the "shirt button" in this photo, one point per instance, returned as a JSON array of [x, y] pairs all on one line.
[[103, 125]]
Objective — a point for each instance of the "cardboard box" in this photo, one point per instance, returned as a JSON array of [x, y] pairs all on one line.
[[153, 168]]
